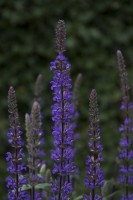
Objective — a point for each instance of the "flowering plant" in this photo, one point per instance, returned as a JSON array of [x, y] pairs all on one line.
[[29, 179]]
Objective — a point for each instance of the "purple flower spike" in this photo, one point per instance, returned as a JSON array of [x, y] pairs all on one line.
[[15, 166], [94, 175], [126, 129], [62, 112]]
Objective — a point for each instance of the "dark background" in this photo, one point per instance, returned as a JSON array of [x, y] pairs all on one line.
[[95, 30]]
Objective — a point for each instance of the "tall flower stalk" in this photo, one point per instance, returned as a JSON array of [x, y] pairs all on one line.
[[35, 152], [38, 89], [94, 174], [15, 166], [75, 100], [62, 112], [76, 96], [126, 129]]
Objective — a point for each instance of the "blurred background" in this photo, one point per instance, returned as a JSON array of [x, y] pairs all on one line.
[[95, 30]]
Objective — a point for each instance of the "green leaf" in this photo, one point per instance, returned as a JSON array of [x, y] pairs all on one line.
[[79, 197], [113, 196], [43, 169], [107, 188], [42, 185], [26, 187], [48, 175]]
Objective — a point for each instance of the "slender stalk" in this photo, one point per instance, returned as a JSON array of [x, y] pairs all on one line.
[[17, 179], [127, 137], [62, 138], [33, 173], [93, 193], [16, 161], [94, 156], [33, 193]]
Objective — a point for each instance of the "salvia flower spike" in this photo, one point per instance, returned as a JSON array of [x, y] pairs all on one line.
[[123, 73], [94, 175], [75, 100], [126, 130], [15, 166], [34, 142], [76, 92], [38, 89], [62, 112]]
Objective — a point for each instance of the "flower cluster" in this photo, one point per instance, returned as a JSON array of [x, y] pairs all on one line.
[[34, 143], [62, 112], [38, 89], [15, 166], [94, 174], [126, 130]]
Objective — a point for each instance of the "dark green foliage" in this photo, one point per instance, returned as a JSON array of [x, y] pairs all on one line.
[[95, 30]]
